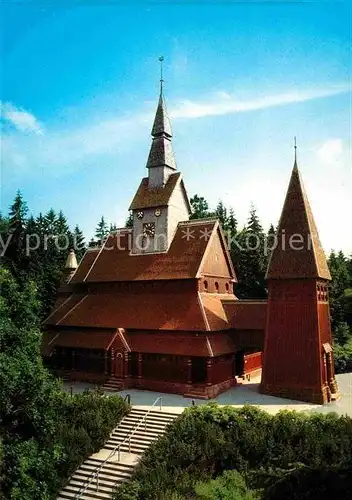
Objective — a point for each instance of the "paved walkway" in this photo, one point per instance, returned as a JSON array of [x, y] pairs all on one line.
[[246, 393]]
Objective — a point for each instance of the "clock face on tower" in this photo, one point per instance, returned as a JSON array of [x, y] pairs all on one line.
[[149, 229]]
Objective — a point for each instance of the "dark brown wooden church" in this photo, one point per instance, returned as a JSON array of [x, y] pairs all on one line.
[[153, 307]]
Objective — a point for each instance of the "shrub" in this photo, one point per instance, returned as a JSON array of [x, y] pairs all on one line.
[[230, 486], [206, 440], [312, 484], [38, 467]]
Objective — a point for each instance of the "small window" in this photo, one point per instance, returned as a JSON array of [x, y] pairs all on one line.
[[206, 285], [216, 286], [227, 286]]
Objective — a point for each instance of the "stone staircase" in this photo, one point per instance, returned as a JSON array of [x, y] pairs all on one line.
[[113, 472], [111, 475], [154, 425], [112, 385]]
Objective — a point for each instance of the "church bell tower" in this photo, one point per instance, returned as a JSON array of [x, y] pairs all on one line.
[[298, 357], [161, 200]]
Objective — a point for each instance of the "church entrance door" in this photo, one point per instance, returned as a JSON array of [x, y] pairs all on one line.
[[118, 371]]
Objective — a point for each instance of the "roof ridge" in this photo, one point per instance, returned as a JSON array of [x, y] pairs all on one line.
[[199, 221]]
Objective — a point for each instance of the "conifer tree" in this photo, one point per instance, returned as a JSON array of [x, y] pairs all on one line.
[[232, 223], [4, 224], [339, 303], [129, 220], [15, 252], [102, 230], [79, 244], [18, 213], [221, 214], [200, 207], [50, 222], [251, 259]]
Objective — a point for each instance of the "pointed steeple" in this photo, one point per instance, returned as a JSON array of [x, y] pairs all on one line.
[[70, 267], [71, 261], [161, 125], [299, 253], [295, 146], [161, 156]]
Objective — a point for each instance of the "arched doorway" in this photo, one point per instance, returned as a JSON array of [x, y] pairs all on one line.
[[118, 365]]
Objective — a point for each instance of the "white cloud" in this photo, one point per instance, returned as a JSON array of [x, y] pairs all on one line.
[[330, 151], [21, 119], [67, 146], [222, 103]]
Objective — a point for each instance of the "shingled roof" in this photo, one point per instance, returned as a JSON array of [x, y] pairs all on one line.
[[146, 197], [290, 261], [161, 152], [161, 125], [87, 338], [152, 311], [182, 261]]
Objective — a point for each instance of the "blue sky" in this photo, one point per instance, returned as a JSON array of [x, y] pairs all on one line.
[[80, 88]]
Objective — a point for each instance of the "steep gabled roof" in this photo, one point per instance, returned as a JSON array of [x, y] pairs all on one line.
[[87, 338], [182, 261], [216, 259], [294, 260], [152, 311], [85, 264], [146, 197]]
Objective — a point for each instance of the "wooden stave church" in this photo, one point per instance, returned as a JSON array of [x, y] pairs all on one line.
[[161, 314]]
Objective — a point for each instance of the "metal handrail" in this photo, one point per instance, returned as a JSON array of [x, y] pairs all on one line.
[[128, 437], [117, 447]]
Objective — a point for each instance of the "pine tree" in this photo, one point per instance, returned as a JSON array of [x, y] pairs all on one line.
[[339, 303], [4, 224], [250, 259], [129, 220], [92, 243], [200, 207], [79, 244], [254, 225], [62, 226], [102, 230], [270, 243], [50, 220], [221, 214], [232, 223], [16, 251], [18, 213]]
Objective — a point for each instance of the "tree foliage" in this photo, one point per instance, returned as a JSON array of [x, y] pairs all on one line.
[[208, 440], [44, 432]]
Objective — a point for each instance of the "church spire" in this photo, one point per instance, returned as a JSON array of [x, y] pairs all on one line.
[[161, 125], [299, 253], [161, 160]]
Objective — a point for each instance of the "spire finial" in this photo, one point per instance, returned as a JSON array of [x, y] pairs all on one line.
[[295, 146], [161, 59]]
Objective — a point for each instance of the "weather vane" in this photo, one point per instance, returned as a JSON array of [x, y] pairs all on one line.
[[161, 59], [295, 146]]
